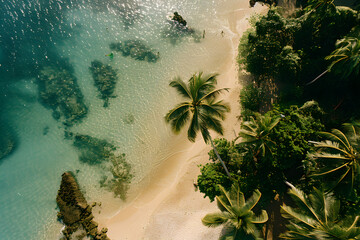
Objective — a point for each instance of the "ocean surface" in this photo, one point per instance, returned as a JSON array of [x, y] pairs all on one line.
[[67, 35]]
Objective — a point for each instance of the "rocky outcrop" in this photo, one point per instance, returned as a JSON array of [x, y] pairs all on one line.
[[75, 212], [178, 28], [136, 49], [59, 91], [105, 78]]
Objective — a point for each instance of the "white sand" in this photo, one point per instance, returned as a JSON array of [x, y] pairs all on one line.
[[169, 208]]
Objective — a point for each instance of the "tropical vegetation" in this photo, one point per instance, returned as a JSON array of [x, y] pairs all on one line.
[[237, 214], [304, 72], [316, 216]]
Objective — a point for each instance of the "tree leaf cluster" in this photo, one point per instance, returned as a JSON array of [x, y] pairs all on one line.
[[291, 52], [266, 170]]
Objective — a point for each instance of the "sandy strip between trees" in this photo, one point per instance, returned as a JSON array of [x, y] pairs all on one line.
[[169, 208]]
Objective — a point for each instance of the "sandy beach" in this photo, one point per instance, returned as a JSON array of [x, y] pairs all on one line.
[[169, 207]]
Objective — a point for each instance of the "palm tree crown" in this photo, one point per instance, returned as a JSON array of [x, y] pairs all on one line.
[[256, 132], [237, 214], [201, 106], [316, 217], [346, 57], [338, 158]]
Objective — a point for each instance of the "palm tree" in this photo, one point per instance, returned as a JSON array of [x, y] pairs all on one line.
[[338, 158], [346, 57], [237, 214], [201, 108], [256, 133], [316, 217]]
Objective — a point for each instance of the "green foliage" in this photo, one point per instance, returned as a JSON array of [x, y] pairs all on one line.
[[282, 161], [317, 217], [255, 133], [262, 51], [291, 51], [337, 160], [346, 57], [251, 97], [212, 174], [237, 214]]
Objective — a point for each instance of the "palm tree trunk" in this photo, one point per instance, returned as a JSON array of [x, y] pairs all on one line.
[[218, 156], [317, 77]]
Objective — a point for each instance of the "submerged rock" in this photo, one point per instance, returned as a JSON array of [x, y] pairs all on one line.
[[75, 212], [7, 143], [93, 150], [136, 49], [96, 151], [60, 92], [120, 177], [105, 78]]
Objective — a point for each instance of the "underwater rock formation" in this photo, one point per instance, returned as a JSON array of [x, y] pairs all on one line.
[[105, 79], [60, 92], [93, 150], [75, 212], [136, 49], [7, 143], [120, 177]]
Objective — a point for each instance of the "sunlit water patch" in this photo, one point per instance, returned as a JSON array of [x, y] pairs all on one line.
[[70, 35]]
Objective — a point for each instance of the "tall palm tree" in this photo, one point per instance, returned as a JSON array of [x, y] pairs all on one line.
[[256, 132], [338, 158], [201, 108], [316, 217], [237, 214], [346, 57]]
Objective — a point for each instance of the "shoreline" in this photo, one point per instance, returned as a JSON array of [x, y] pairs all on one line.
[[169, 207]]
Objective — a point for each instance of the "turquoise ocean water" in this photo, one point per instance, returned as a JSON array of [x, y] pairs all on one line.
[[71, 34]]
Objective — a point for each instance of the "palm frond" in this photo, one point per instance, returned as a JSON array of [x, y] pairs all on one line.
[[215, 219], [181, 87], [261, 218], [217, 109], [194, 126], [253, 200]]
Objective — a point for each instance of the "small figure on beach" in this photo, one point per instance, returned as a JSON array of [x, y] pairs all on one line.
[[222, 33], [204, 33], [110, 55]]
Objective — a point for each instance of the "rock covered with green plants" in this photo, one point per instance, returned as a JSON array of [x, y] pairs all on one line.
[[136, 49], [105, 78], [59, 91], [75, 212]]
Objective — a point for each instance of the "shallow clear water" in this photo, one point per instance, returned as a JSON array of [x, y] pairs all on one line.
[[36, 33]]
